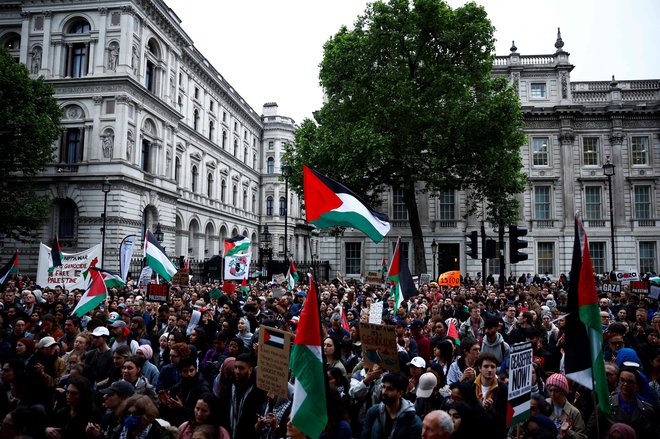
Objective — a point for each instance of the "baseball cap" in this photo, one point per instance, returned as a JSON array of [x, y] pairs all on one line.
[[416, 324], [427, 383], [114, 316], [46, 342], [121, 387], [417, 362], [119, 324], [100, 330]]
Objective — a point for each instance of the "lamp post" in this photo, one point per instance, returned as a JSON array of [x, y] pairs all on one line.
[[266, 238], [608, 170], [434, 250], [286, 172], [105, 187], [160, 236]]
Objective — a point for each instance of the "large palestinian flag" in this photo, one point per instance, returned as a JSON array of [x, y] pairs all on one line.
[[10, 267], [237, 244], [401, 283], [157, 259], [583, 327], [329, 203], [94, 295], [112, 279]]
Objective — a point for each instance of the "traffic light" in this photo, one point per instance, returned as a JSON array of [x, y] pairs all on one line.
[[491, 249], [472, 244], [516, 244]]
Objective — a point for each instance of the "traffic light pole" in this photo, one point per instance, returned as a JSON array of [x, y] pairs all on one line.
[[483, 252], [502, 264]]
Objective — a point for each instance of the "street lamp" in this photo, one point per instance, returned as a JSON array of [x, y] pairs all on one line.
[[286, 172], [266, 238], [608, 170], [160, 236], [105, 187], [434, 250]]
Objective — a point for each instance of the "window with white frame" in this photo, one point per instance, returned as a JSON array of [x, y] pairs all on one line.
[[542, 202], [639, 150], [446, 205], [399, 210], [269, 206], [209, 185], [353, 255], [593, 203], [647, 257], [537, 90], [194, 179], [546, 257], [590, 151], [540, 151], [270, 165], [597, 252], [282, 206], [642, 202], [494, 263]]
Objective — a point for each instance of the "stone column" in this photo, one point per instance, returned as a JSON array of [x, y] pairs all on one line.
[[101, 49], [49, 54], [95, 143]]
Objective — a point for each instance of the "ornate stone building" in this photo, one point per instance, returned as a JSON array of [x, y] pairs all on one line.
[[144, 109]]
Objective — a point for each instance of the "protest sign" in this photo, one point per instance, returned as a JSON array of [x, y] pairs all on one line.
[[611, 287], [450, 279], [379, 346], [237, 267], [279, 278], [273, 361], [70, 274], [520, 382], [639, 287], [145, 278], [424, 279], [627, 276], [157, 293], [182, 277], [374, 278], [376, 313]]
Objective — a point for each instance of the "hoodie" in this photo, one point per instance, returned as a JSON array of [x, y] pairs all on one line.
[[406, 423], [499, 348]]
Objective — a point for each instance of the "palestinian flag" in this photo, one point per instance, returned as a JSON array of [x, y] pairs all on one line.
[[583, 327], [237, 244], [10, 267], [329, 203], [401, 284], [344, 320], [56, 253], [157, 259], [112, 279], [452, 332], [291, 276], [244, 287], [309, 411], [95, 294], [383, 269], [273, 339], [228, 287]]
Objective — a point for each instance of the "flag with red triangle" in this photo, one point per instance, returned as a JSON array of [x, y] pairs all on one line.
[[56, 254], [344, 320], [94, 295], [10, 267], [244, 287], [453, 333]]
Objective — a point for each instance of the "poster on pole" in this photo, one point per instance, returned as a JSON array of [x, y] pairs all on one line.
[[379, 346], [70, 274], [376, 313], [520, 383], [450, 279], [273, 361]]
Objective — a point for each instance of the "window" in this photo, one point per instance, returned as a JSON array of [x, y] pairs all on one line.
[[80, 27], [245, 155], [647, 257], [224, 139], [546, 257], [77, 57], [66, 228], [537, 90], [446, 209], [542, 202], [269, 206], [223, 190], [209, 185], [642, 202], [282, 206], [235, 147], [211, 105], [224, 116], [640, 150], [150, 77], [194, 179], [590, 151], [195, 119], [211, 129], [353, 257], [234, 196], [271, 145], [494, 263], [254, 159], [177, 170], [196, 93], [597, 252], [270, 165], [399, 210], [540, 151], [245, 204], [146, 156], [236, 126], [593, 203], [245, 134], [254, 202], [72, 146]]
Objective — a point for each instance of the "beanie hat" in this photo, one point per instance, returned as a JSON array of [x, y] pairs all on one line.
[[558, 380], [147, 351]]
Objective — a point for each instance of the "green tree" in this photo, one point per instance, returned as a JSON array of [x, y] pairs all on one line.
[[29, 125], [411, 104]]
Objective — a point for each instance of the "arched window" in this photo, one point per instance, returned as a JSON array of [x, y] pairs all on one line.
[[223, 191], [195, 119], [151, 72], [194, 179], [209, 185], [224, 139], [270, 165], [234, 196], [79, 27], [282, 206], [77, 49], [235, 148], [177, 170], [269, 206], [146, 156], [211, 130], [245, 205]]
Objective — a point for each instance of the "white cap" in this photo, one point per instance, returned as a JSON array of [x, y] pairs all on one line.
[[417, 362], [100, 330], [46, 342], [427, 383]]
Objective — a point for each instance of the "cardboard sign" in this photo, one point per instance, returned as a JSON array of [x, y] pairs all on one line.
[[157, 293], [611, 287], [182, 277], [379, 346], [627, 276], [639, 287], [424, 279], [520, 381], [273, 361], [376, 313], [450, 279], [279, 278], [374, 278], [145, 278]]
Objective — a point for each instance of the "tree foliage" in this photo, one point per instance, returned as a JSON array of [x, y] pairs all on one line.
[[29, 125], [410, 98]]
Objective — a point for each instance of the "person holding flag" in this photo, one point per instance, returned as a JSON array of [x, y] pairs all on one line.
[[291, 276]]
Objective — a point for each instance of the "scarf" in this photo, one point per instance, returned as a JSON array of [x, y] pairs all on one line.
[[235, 411], [491, 391]]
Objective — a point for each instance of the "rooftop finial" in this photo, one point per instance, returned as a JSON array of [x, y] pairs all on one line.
[[513, 47], [559, 43], [614, 82]]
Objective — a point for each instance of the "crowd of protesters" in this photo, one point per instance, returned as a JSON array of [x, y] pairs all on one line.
[[187, 368]]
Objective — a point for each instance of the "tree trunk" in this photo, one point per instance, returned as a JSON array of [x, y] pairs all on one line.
[[416, 228]]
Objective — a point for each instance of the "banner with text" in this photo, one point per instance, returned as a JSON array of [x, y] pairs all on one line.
[[273, 361], [379, 345], [69, 274], [520, 383]]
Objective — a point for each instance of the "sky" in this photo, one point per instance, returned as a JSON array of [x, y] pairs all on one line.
[[270, 50]]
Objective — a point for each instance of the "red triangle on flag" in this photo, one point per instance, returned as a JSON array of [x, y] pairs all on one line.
[[319, 198], [309, 325]]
